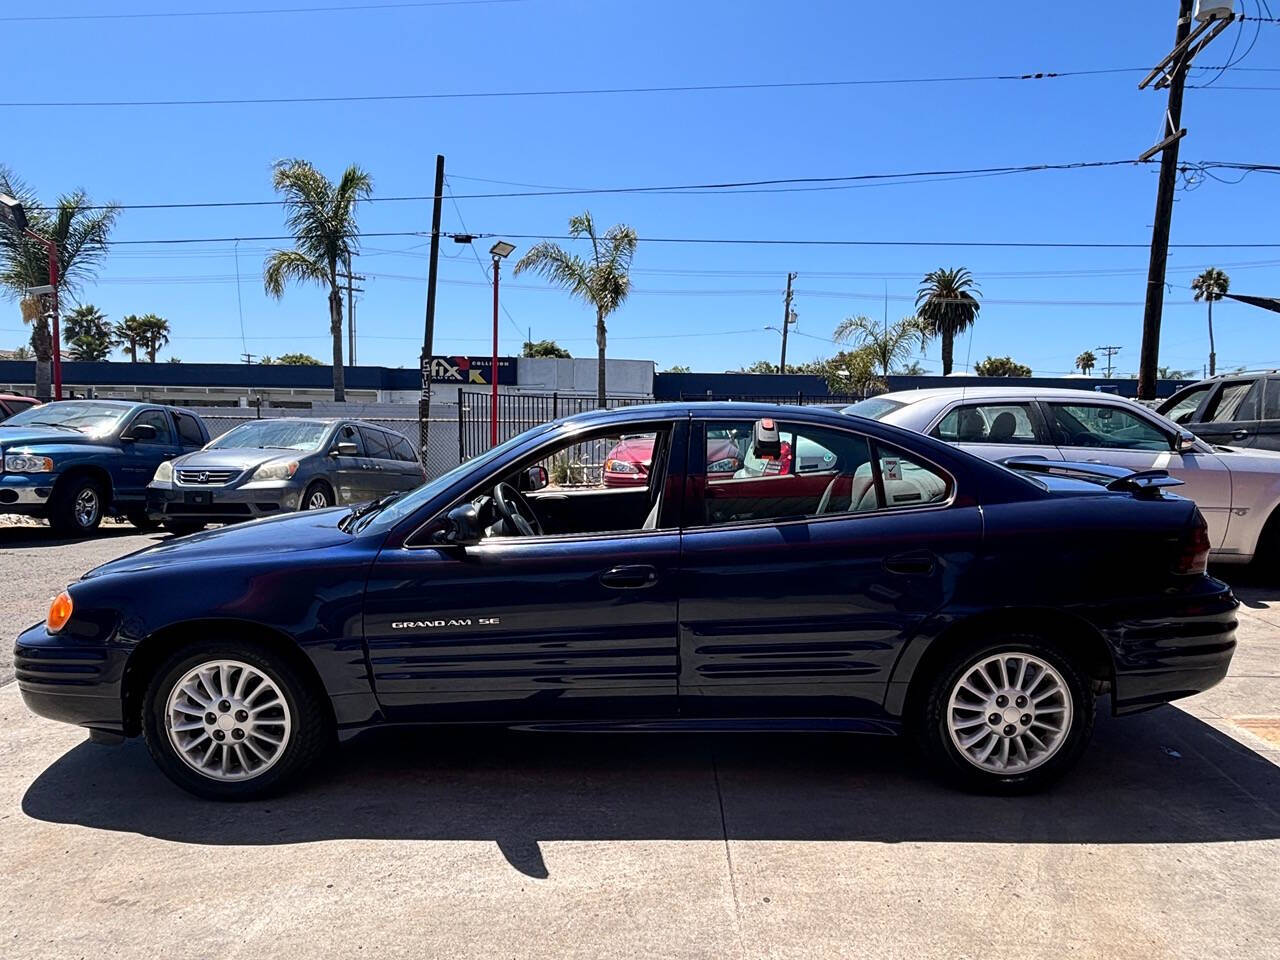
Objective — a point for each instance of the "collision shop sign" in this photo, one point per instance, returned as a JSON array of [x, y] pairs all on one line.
[[467, 370]]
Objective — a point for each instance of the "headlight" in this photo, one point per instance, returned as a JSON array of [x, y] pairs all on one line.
[[727, 465], [26, 463], [164, 472], [620, 466], [275, 471]]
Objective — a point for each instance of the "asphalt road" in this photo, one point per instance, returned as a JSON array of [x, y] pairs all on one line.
[[1163, 843]]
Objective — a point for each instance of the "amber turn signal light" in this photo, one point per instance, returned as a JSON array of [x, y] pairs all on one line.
[[59, 612]]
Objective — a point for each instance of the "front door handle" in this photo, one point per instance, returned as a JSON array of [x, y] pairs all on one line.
[[1239, 434], [630, 577], [919, 563]]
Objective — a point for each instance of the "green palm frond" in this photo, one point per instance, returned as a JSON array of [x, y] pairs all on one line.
[[291, 266], [1211, 285]]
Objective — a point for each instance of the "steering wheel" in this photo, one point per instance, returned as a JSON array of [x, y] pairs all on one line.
[[1085, 439], [515, 510]]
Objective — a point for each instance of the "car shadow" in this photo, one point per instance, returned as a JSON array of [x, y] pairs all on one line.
[[1162, 777], [1253, 585], [43, 536]]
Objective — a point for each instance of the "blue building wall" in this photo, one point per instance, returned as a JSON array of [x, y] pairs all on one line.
[[105, 374]]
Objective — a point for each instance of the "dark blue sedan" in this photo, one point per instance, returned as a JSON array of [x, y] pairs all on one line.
[[846, 575]]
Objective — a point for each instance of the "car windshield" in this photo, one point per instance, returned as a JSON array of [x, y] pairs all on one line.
[[84, 416], [396, 510], [273, 435], [873, 408]]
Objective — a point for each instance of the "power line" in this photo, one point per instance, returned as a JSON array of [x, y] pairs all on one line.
[[174, 15], [476, 253], [576, 92]]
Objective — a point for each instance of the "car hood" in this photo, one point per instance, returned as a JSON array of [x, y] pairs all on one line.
[[633, 450], [26, 436], [1242, 459], [235, 458], [276, 537]]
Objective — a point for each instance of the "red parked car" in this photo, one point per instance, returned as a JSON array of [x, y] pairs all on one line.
[[627, 464], [12, 403]]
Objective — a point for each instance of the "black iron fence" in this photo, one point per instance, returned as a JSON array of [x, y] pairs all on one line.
[[797, 398]]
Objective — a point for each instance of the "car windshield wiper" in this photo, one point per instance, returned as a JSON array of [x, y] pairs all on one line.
[[360, 511], [41, 423]]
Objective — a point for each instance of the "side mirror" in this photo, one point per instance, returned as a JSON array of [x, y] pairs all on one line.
[[345, 449], [1185, 441], [461, 527], [141, 431], [535, 478]]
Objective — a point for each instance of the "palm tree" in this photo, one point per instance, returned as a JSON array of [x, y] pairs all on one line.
[[889, 345], [322, 218], [1210, 286], [946, 307], [88, 334], [1086, 362], [131, 333], [155, 334], [603, 281], [78, 229]]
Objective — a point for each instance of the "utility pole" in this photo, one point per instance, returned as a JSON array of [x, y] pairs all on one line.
[[1174, 70], [351, 309], [788, 318], [429, 328], [1109, 352], [248, 357]]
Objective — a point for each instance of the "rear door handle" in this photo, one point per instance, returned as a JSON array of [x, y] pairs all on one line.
[[630, 577], [910, 564]]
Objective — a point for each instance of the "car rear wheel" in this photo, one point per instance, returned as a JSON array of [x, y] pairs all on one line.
[[76, 506], [318, 496], [232, 721], [1008, 716]]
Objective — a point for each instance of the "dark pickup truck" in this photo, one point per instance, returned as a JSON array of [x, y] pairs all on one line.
[[74, 461]]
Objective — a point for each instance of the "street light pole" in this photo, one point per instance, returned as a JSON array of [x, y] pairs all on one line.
[[12, 211], [499, 251]]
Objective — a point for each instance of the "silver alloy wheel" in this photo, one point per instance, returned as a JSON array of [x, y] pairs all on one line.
[[318, 500], [86, 507], [1009, 713], [228, 720]]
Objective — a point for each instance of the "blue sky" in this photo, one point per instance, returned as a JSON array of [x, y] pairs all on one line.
[[701, 305]]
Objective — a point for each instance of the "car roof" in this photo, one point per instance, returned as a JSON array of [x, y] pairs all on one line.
[[957, 393], [17, 396], [703, 409]]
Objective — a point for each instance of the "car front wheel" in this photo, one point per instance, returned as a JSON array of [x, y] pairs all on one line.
[[318, 496], [75, 509], [232, 721], [1010, 716]]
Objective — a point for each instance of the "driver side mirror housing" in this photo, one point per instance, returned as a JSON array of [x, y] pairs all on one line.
[[344, 448], [535, 478], [141, 431], [1185, 441], [461, 527]]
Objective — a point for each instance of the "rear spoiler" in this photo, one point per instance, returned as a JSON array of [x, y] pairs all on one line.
[[1141, 483]]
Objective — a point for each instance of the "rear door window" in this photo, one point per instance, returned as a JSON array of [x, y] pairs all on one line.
[[375, 444], [189, 430], [1238, 400], [990, 423]]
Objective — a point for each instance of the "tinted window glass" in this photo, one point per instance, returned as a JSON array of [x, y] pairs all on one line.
[[1237, 401], [403, 450], [375, 444], [1099, 425], [1181, 411], [1271, 401], [988, 423], [17, 406], [189, 430], [907, 481], [347, 433], [155, 418]]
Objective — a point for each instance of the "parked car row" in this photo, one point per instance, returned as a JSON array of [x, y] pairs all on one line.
[[76, 461], [848, 574]]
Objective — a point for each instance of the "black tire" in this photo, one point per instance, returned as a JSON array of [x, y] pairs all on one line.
[[934, 730], [138, 517], [180, 528], [69, 514], [308, 738], [315, 490]]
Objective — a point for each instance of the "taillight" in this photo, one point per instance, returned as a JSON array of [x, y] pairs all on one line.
[[1193, 550]]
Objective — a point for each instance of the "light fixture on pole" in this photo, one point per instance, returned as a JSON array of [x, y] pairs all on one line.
[[11, 211], [499, 251]]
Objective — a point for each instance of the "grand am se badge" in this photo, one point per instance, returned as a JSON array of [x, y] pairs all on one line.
[[430, 624]]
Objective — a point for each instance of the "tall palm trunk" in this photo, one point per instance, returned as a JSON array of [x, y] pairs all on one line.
[[948, 343], [335, 328], [600, 338], [1213, 357]]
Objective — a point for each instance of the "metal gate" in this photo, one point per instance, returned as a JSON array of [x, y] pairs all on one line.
[[517, 412]]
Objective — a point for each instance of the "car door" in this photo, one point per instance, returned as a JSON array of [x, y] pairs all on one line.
[[578, 626], [1233, 414], [797, 604], [385, 477], [1267, 435], [1124, 435], [190, 436], [411, 474], [352, 474], [141, 457], [997, 429]]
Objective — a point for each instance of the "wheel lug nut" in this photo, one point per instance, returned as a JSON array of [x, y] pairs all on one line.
[[224, 705], [242, 716], [219, 735], [994, 718], [1010, 730], [210, 718], [1021, 701], [237, 734], [1026, 718], [1001, 700]]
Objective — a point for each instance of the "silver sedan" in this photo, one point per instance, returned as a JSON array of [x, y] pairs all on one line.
[[1238, 491]]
